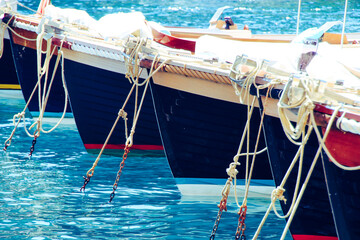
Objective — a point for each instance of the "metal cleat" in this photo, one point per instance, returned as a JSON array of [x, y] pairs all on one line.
[[237, 72]]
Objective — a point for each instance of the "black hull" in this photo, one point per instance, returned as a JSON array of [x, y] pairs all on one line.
[[201, 135], [313, 218], [96, 97], [8, 77], [26, 67], [344, 191]]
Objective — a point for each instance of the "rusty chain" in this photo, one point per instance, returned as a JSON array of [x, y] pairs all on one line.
[[240, 231], [222, 207], [122, 164], [32, 148], [86, 181]]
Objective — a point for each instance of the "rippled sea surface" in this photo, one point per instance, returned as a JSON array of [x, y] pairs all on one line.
[[39, 196], [262, 16]]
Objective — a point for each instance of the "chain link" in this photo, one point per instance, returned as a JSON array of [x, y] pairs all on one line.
[[122, 164], [6, 146], [222, 207], [32, 148], [240, 231], [86, 181]]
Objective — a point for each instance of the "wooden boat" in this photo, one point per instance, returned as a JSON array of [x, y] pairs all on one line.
[[201, 125], [98, 88], [94, 103], [95, 71], [342, 169], [169, 88], [94, 110], [8, 79], [184, 76], [24, 50], [186, 38], [314, 216]]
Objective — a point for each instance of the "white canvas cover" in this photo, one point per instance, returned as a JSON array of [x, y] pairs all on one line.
[[116, 25]]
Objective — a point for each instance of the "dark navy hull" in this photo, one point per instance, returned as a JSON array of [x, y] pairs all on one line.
[[8, 77], [313, 218], [201, 135], [96, 97], [26, 68], [344, 188]]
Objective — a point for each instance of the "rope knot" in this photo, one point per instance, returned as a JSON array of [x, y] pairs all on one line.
[[122, 114], [18, 115], [278, 194], [309, 105], [231, 170]]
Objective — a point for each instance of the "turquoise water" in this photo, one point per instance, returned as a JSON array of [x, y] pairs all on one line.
[[262, 16], [40, 198]]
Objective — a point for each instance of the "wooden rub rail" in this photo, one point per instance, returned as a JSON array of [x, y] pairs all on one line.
[[146, 63]]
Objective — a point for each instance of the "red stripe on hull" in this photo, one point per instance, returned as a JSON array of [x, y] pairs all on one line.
[[313, 237], [344, 147], [173, 42], [122, 146], [329, 111]]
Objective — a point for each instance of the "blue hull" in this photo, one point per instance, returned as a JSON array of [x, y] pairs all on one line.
[[344, 187], [26, 68], [313, 218], [8, 77], [201, 135], [96, 97]]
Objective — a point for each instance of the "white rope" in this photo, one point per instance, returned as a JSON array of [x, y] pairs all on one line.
[[305, 105], [76, 46], [22, 5], [121, 113], [311, 168], [246, 84], [322, 143], [3, 27], [2, 35], [44, 91], [348, 125], [20, 116], [60, 55], [305, 108]]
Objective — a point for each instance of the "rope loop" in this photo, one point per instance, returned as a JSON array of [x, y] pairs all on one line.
[[129, 140], [339, 121]]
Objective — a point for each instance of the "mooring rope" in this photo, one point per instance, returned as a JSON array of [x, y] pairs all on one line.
[[322, 143], [3, 27], [2, 35], [305, 105], [133, 76], [43, 95], [305, 117], [310, 170]]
